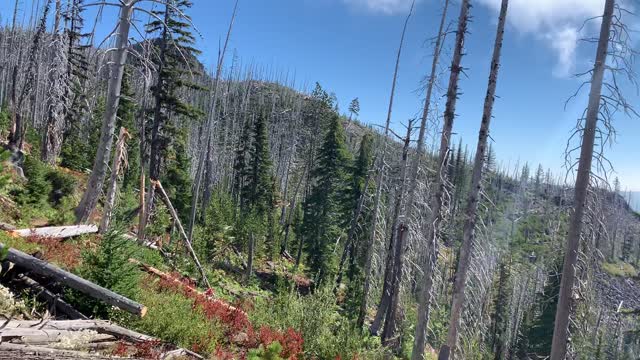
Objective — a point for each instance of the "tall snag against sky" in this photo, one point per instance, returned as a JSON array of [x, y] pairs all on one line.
[[116, 69], [471, 213], [583, 178], [386, 291], [208, 129], [441, 184]]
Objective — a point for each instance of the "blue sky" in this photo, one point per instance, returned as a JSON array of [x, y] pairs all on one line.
[[349, 46]]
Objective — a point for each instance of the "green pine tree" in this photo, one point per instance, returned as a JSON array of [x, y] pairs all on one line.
[[176, 46], [324, 210], [258, 191], [540, 333], [177, 178]]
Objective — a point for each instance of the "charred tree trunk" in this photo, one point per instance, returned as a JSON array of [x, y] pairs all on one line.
[[471, 214], [561, 327]]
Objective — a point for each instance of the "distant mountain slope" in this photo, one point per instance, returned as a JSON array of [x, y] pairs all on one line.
[[634, 201]]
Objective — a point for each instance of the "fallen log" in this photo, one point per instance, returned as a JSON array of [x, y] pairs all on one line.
[[99, 326], [45, 269], [172, 279], [7, 227], [42, 293], [174, 214], [36, 336], [58, 232], [30, 352]]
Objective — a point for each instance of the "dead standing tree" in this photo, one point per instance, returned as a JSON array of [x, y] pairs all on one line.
[[471, 216], [101, 162], [614, 48], [441, 183], [386, 293]]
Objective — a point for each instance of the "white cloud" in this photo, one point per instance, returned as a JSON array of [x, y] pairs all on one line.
[[557, 22], [388, 7]]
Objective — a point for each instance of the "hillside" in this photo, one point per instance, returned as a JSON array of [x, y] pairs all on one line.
[[153, 208]]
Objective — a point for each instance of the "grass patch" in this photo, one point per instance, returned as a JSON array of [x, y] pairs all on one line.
[[620, 269]]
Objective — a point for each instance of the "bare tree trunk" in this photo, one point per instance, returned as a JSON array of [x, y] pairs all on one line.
[[118, 160], [400, 232], [471, 215], [375, 326], [187, 241], [413, 181], [98, 174], [202, 161], [437, 198], [561, 327]]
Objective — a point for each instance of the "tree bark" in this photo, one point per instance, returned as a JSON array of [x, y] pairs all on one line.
[[382, 307], [471, 215], [101, 162], [45, 269], [437, 198], [118, 159], [561, 327], [187, 241]]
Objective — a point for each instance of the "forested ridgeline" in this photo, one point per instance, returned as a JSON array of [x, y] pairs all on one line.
[[244, 215]]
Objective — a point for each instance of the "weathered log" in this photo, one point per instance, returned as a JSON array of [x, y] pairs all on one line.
[[167, 277], [7, 227], [60, 232], [30, 352], [45, 269], [99, 326], [35, 336], [41, 292]]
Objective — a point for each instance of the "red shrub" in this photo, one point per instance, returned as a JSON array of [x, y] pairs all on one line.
[[234, 320], [57, 251]]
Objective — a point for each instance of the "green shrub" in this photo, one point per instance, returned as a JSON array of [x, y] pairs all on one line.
[[326, 333], [620, 269], [271, 352], [63, 185], [37, 189], [171, 317], [108, 266], [4, 178]]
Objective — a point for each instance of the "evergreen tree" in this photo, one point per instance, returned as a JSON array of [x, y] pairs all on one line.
[[258, 192], [177, 178], [354, 108], [175, 48], [500, 316], [540, 333], [324, 211]]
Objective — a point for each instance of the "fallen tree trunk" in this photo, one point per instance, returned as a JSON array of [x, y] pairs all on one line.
[[99, 326], [174, 214], [35, 336], [45, 269], [172, 279], [41, 292], [58, 232], [7, 227], [30, 352]]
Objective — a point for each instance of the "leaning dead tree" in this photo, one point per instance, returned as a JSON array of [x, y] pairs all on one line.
[[598, 109], [103, 154], [441, 184], [386, 290], [471, 213]]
